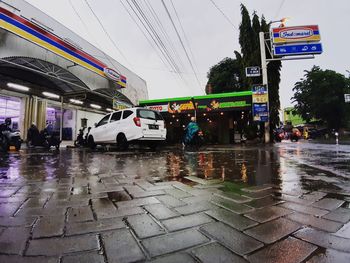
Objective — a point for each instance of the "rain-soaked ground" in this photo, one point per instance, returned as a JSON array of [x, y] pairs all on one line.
[[77, 196], [291, 166]]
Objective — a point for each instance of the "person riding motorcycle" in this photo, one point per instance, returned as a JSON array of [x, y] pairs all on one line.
[[192, 133], [4, 143], [8, 137]]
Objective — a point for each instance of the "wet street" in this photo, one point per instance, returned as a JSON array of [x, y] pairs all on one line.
[[283, 203]]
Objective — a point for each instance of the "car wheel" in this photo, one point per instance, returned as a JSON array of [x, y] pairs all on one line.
[[122, 142], [91, 143], [153, 146]]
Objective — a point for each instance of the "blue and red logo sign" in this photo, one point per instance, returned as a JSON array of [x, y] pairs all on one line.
[[282, 35]]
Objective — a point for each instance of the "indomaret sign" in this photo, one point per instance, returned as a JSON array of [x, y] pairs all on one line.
[[283, 35]]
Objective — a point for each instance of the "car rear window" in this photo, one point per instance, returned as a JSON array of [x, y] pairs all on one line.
[[149, 114]]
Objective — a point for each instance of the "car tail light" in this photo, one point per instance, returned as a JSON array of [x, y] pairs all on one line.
[[137, 121]]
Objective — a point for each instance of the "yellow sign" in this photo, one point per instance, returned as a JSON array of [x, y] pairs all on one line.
[[260, 98]]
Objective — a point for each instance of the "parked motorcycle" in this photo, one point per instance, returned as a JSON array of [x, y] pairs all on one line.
[[82, 139], [9, 137], [45, 138]]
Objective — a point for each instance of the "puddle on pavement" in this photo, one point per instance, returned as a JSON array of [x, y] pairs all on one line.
[[284, 166], [118, 196]]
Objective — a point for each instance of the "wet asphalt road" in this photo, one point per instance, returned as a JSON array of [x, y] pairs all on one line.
[[168, 205]]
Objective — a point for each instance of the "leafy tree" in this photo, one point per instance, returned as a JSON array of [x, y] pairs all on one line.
[[250, 49], [222, 76], [320, 95], [225, 76]]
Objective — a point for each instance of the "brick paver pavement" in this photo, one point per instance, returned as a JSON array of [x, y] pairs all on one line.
[[108, 217]]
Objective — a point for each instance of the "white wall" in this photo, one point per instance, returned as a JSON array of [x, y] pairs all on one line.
[[91, 117]]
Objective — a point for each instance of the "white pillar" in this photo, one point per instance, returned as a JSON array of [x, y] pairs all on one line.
[[61, 119], [265, 82]]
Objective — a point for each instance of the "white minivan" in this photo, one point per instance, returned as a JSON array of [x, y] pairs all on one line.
[[134, 125]]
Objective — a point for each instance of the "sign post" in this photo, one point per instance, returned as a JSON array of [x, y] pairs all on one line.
[[265, 83], [286, 41]]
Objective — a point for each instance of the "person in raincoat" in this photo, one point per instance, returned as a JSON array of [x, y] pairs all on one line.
[[191, 130]]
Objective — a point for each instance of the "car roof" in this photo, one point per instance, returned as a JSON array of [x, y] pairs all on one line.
[[132, 109]]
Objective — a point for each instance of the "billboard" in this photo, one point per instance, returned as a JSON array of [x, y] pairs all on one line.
[[284, 35]]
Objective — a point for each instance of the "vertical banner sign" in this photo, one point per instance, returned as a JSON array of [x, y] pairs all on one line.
[[260, 103]]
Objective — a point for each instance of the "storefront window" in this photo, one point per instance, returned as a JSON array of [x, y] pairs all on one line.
[[10, 108], [53, 117]]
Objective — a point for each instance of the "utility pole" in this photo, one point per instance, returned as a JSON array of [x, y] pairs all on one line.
[[265, 82]]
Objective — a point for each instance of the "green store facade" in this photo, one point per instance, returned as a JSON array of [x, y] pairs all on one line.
[[222, 117]]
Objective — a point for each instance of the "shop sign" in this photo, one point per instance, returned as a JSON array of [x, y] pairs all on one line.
[[118, 105], [208, 105], [32, 31], [178, 107], [111, 74], [260, 103], [298, 49], [160, 108], [282, 35], [260, 112]]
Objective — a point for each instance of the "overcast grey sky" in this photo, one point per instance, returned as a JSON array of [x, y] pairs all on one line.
[[210, 36]]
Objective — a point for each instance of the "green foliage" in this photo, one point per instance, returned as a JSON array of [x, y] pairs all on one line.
[[320, 95], [250, 49], [233, 187], [225, 76]]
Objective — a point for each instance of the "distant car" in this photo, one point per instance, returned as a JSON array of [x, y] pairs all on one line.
[[317, 133], [134, 125]]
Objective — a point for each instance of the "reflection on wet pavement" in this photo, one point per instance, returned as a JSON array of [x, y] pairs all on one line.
[[279, 202], [293, 167]]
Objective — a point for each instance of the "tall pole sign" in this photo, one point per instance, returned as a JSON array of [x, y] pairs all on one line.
[[297, 41]]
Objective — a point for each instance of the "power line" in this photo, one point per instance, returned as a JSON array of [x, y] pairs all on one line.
[[105, 31], [163, 31], [279, 9], [137, 10], [155, 33], [222, 12], [88, 31], [139, 27], [154, 38], [182, 44], [184, 34]]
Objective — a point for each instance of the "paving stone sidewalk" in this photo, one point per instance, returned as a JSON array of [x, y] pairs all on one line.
[[116, 217]]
